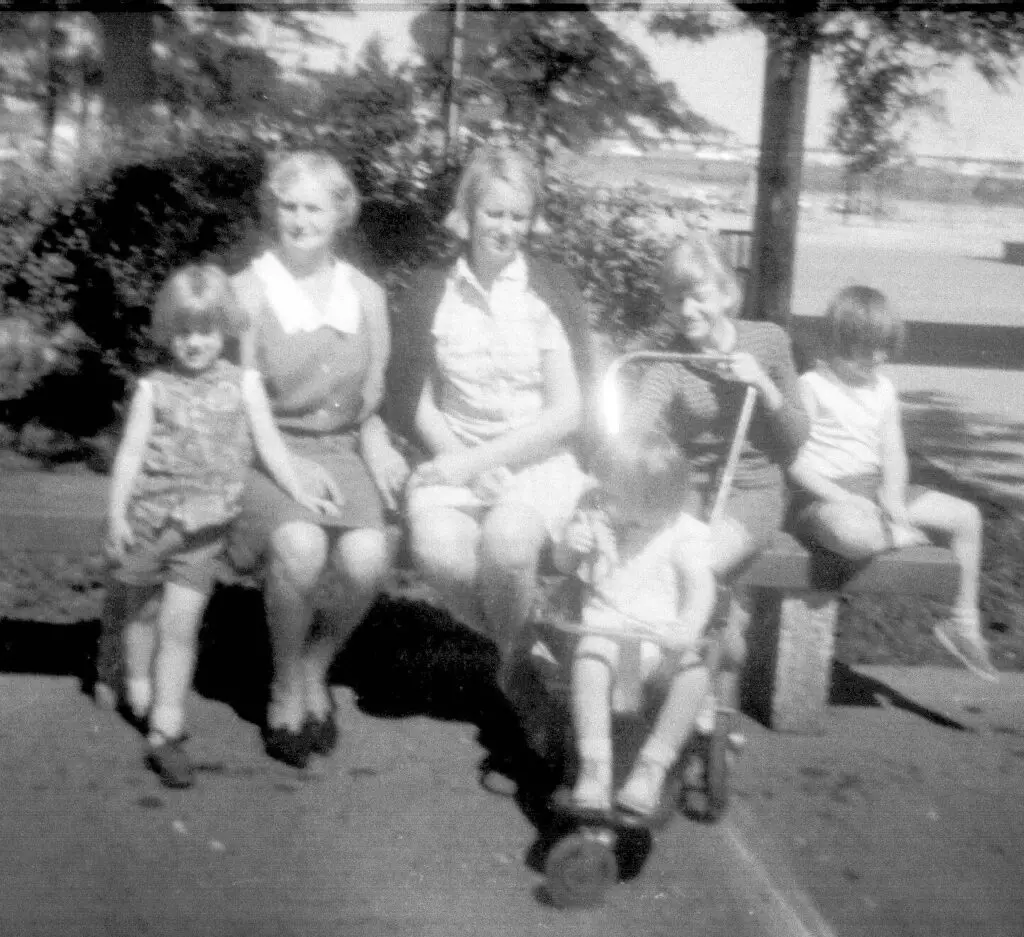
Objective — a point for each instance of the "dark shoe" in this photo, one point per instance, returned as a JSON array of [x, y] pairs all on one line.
[[170, 761], [284, 745], [321, 732]]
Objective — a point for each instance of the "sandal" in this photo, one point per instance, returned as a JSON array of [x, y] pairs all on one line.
[[169, 760]]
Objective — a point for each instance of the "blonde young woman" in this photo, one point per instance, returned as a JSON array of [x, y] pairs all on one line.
[[320, 339], [485, 377]]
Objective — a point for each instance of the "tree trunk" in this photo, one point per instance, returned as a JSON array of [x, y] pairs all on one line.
[[783, 118], [129, 80], [52, 90]]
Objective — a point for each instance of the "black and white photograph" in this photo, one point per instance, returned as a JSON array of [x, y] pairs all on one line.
[[504, 469]]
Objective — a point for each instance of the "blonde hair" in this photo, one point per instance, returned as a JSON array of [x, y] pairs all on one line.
[[694, 260], [491, 162], [648, 463], [859, 319], [318, 166], [196, 296]]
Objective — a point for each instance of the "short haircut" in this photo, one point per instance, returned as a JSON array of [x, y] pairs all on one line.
[[647, 462], [694, 260], [197, 296], [491, 162], [860, 319], [288, 168]]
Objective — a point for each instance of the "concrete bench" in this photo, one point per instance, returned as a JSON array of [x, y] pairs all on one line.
[[794, 593]]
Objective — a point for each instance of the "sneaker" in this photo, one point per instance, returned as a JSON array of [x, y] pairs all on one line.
[[169, 760], [593, 789], [969, 649], [641, 794]]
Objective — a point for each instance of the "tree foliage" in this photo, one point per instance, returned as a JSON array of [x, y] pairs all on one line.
[[556, 72], [886, 57]]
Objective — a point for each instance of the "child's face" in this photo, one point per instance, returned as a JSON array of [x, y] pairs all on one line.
[[697, 311], [308, 216], [196, 350], [861, 368], [500, 223], [626, 506]]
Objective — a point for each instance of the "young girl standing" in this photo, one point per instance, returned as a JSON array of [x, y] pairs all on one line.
[[176, 484], [851, 475], [645, 566]]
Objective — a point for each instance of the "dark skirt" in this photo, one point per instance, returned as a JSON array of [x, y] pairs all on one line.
[[265, 507]]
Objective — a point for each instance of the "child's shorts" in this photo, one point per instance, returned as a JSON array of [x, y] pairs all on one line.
[[803, 508], [170, 554]]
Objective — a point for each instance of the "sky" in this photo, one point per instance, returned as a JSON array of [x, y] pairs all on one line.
[[722, 79]]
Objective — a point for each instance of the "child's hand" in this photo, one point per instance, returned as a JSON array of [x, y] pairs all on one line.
[[119, 537], [579, 536]]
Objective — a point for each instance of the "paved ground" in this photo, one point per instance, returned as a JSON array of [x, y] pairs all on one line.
[[904, 819]]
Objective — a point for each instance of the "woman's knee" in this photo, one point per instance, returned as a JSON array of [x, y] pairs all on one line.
[[298, 552], [513, 536], [443, 541], [363, 557]]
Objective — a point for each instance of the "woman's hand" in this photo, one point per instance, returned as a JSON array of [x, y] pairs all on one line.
[[328, 508], [387, 468], [317, 483], [456, 468], [119, 537], [743, 367]]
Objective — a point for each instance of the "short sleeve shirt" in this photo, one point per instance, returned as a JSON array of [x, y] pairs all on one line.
[[489, 348], [846, 424]]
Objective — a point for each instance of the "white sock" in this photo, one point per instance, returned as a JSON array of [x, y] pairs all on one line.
[[166, 721], [140, 695]]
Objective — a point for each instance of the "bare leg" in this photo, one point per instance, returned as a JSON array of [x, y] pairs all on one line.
[[177, 629], [445, 544], [591, 711], [512, 538], [641, 793], [958, 523], [361, 559], [847, 529], [298, 552], [129, 613]]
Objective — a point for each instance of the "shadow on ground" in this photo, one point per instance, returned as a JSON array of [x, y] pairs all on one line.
[[852, 688]]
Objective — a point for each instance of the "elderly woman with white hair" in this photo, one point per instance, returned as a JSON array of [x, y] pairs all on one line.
[[319, 336], [485, 375]]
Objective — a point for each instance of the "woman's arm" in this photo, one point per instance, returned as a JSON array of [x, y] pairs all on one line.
[[558, 419], [127, 464], [271, 446], [783, 406], [431, 425], [378, 331]]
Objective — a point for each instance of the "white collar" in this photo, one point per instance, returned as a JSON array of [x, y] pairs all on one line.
[[294, 309], [514, 273]]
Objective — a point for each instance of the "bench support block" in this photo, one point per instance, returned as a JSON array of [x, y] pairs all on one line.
[[789, 663]]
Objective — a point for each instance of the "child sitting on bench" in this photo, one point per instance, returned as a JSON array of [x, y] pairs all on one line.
[[644, 566], [852, 495]]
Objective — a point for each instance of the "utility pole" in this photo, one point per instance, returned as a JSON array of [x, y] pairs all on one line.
[[450, 106]]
